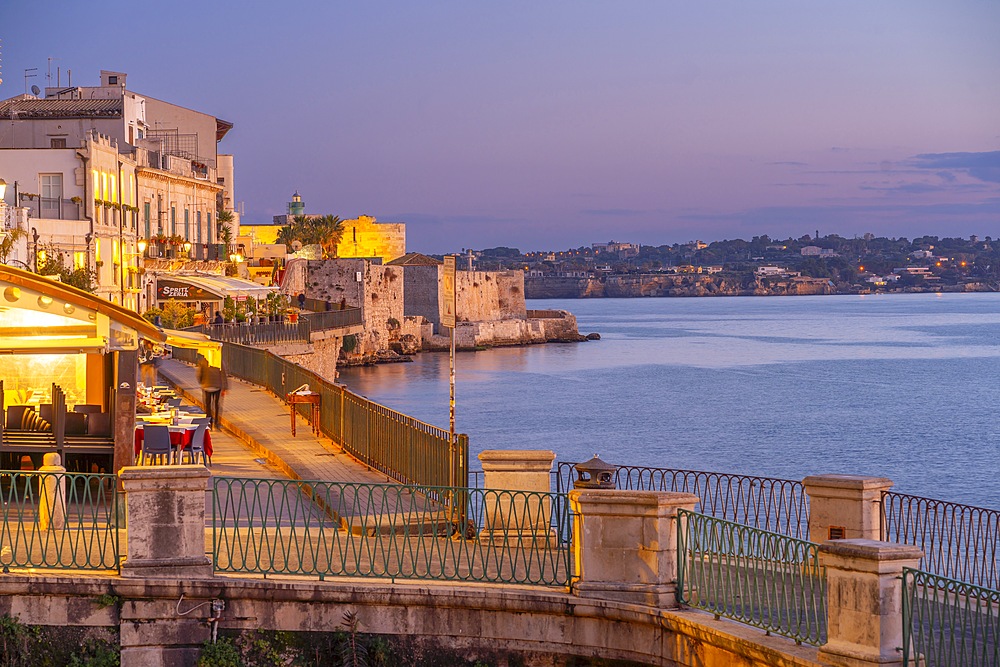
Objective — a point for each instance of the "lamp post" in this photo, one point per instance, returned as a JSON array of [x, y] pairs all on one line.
[[187, 250]]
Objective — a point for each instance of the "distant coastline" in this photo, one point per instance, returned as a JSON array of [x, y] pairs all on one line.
[[719, 284]]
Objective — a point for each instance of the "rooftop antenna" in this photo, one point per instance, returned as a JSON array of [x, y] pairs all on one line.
[[29, 76], [48, 72]]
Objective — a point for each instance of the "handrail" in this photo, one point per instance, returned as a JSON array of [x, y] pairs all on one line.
[[948, 622], [322, 528], [768, 503], [958, 541], [753, 576]]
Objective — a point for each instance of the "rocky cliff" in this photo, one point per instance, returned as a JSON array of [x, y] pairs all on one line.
[[659, 284]]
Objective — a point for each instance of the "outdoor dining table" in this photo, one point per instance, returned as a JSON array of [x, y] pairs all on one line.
[[180, 437]]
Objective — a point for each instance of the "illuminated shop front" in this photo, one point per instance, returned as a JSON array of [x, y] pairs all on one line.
[[67, 374]]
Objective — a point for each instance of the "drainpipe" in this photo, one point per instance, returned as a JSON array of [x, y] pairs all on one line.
[[121, 238], [88, 201]]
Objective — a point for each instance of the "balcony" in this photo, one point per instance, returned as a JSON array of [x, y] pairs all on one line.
[[48, 208]]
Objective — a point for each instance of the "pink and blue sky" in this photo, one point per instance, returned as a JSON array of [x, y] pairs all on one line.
[[545, 125]]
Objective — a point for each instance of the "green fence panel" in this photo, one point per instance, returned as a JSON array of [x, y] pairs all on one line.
[[757, 577], [86, 538], [948, 622], [319, 528]]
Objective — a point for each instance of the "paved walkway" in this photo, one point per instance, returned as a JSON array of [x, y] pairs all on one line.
[[261, 421]]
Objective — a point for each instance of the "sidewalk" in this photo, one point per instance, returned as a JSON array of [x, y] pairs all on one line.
[[262, 421]]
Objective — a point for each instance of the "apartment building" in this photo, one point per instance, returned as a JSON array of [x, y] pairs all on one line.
[[108, 175]]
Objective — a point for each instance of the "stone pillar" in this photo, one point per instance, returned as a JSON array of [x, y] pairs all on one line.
[[845, 507], [865, 601], [626, 544], [165, 506], [510, 515], [52, 509]]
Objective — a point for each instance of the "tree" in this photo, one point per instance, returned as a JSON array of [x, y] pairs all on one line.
[[225, 220], [325, 231], [10, 239], [51, 263]]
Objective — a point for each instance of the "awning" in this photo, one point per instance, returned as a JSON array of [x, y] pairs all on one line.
[[205, 287], [189, 340], [39, 315]]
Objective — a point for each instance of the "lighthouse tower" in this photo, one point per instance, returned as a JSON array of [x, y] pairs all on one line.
[[296, 206]]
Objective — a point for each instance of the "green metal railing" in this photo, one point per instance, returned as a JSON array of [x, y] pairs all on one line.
[[753, 576], [948, 622], [402, 448], [318, 528], [85, 539]]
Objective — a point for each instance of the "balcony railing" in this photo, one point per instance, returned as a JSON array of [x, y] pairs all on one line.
[[50, 208]]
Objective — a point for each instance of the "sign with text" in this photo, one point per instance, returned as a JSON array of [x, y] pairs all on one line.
[[448, 293], [173, 289]]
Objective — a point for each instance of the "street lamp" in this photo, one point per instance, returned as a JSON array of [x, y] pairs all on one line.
[[187, 248], [141, 246], [3, 188]]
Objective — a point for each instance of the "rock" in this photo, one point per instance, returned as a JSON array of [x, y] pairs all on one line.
[[594, 336], [408, 344]]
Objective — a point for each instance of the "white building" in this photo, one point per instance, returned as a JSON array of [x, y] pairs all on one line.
[[102, 168]]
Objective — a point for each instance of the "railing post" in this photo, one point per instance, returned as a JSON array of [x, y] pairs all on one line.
[[845, 506], [625, 544], [865, 602], [166, 521], [52, 512], [513, 516]]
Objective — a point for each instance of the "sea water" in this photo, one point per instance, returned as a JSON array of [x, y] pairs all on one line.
[[901, 386]]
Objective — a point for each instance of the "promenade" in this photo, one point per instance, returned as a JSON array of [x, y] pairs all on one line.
[[262, 423]]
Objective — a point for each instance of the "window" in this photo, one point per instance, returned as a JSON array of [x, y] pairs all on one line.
[[59, 142], [51, 200], [173, 220], [208, 228], [187, 225], [197, 226], [145, 218], [112, 80]]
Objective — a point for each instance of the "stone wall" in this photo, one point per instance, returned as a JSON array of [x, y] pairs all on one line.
[[446, 624], [485, 296], [364, 237], [379, 294], [422, 292], [498, 333]]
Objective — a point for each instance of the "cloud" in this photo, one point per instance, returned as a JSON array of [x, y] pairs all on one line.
[[984, 166], [800, 185], [789, 163], [923, 188], [617, 212]]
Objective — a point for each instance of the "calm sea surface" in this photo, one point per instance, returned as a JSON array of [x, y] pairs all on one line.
[[903, 386]]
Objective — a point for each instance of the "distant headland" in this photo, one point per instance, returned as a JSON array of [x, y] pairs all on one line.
[[761, 266]]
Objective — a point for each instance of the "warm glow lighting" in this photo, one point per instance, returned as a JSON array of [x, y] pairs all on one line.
[[141, 246], [187, 247], [3, 188]]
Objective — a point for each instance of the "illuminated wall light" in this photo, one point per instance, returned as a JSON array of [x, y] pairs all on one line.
[[92, 317], [44, 301], [12, 294], [69, 308]]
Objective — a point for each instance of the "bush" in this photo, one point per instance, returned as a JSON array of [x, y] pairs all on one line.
[[220, 654]]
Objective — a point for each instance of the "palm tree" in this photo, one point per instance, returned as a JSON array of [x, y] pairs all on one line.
[[330, 231], [225, 221]]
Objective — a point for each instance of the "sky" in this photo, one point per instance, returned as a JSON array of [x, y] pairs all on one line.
[[557, 124]]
